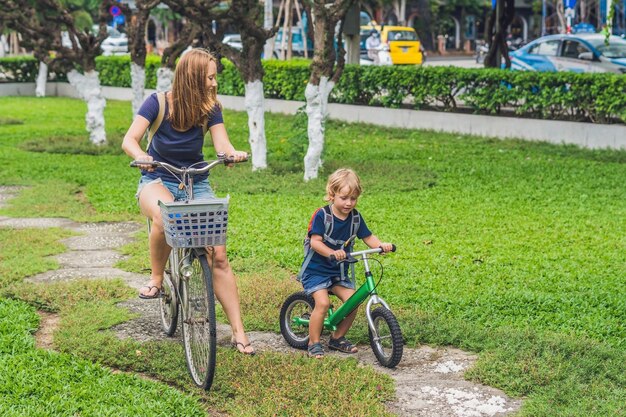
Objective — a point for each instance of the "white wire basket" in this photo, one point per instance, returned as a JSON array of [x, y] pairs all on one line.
[[195, 223]]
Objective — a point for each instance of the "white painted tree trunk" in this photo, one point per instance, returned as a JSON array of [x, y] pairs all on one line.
[[255, 106], [88, 87], [42, 77], [317, 112], [4, 46], [138, 81], [165, 78], [268, 22]]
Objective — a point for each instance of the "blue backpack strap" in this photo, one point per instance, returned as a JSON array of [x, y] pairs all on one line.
[[308, 251], [355, 224], [329, 225]]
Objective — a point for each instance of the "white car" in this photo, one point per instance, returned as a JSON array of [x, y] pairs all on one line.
[[115, 45], [234, 40]]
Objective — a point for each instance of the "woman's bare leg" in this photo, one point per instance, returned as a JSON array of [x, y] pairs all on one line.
[[227, 293], [159, 249]]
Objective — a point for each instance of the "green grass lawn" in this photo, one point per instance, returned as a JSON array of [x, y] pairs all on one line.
[[512, 249]]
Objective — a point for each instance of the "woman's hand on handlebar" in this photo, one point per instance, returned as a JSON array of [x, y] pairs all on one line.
[[386, 247], [144, 158], [236, 156]]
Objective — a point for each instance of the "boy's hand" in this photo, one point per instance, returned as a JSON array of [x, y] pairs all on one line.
[[386, 247], [339, 254]]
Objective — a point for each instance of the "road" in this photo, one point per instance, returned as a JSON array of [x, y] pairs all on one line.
[[456, 61]]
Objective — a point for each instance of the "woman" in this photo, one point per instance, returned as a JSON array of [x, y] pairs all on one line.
[[189, 107]]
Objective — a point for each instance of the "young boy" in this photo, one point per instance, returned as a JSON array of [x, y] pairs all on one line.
[[318, 273]]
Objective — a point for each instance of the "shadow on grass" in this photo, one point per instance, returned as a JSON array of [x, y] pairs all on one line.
[[73, 145]]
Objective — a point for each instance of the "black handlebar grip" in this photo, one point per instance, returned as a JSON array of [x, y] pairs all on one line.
[[136, 164], [332, 258], [231, 160], [393, 248]]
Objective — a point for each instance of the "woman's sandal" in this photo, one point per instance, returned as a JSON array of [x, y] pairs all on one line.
[[148, 295], [342, 345], [316, 351], [236, 345]]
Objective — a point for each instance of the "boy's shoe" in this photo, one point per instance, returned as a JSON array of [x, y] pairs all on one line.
[[316, 351], [342, 345]]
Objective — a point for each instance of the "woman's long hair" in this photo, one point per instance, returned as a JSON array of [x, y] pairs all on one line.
[[192, 98]]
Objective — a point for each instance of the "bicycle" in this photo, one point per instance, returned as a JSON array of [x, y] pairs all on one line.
[[384, 331], [190, 227]]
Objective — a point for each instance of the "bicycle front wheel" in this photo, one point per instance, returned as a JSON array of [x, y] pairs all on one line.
[[198, 310], [388, 345], [169, 299]]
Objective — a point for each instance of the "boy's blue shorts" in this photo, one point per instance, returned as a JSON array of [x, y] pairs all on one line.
[[313, 283]]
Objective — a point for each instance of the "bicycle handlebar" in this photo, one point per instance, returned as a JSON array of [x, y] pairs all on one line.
[[221, 159], [360, 253]]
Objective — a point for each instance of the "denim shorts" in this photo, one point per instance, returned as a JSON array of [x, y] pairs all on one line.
[[313, 283], [201, 189]]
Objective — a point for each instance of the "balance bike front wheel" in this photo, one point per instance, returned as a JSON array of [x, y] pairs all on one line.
[[388, 345]]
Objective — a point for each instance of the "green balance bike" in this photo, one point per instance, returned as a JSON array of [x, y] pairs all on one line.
[[384, 331]]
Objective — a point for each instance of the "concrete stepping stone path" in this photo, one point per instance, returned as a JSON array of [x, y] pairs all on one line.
[[429, 380]]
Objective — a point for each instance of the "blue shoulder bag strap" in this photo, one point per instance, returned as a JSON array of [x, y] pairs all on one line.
[[157, 122]]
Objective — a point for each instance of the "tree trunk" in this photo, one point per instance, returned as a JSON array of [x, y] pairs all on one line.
[[424, 30], [88, 87], [396, 10], [42, 77], [500, 20], [326, 69], [138, 81], [582, 5], [268, 23], [255, 107], [560, 12], [317, 111], [165, 78], [136, 29], [4, 46]]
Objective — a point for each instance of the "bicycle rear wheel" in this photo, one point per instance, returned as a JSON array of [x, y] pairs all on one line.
[[169, 299], [296, 306], [198, 310]]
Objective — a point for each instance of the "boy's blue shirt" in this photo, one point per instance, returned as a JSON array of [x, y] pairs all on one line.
[[320, 265]]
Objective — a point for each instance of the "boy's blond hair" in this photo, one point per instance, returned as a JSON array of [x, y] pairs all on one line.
[[343, 177]]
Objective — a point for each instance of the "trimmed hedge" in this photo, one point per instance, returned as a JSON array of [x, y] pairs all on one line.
[[597, 98], [23, 69]]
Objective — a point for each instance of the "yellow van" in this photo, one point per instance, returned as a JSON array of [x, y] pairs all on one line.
[[404, 47]]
